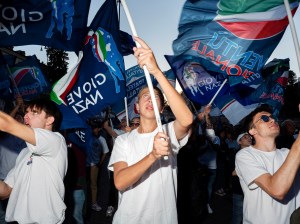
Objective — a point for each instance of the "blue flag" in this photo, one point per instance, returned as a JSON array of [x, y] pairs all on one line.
[[232, 38], [198, 85], [97, 80], [271, 90], [55, 23], [29, 79], [107, 19]]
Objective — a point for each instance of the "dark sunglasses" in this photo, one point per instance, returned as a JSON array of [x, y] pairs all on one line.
[[265, 118], [134, 124]]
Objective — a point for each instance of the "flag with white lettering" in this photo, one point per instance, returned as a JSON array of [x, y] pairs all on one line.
[[97, 80], [271, 90], [198, 85], [232, 38], [61, 24], [29, 79]]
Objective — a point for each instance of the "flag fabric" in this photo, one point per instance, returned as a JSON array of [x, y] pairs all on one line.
[[29, 79], [107, 19], [236, 106], [61, 24], [198, 85], [232, 109], [135, 81], [271, 90], [97, 80], [232, 38]]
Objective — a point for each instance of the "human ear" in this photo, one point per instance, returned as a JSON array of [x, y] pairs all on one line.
[[50, 120]]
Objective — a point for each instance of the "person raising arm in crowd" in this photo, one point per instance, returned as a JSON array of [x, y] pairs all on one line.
[[269, 176], [147, 182], [35, 184]]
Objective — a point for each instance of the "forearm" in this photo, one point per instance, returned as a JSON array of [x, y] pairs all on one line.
[[179, 107], [5, 190], [129, 175], [279, 184]]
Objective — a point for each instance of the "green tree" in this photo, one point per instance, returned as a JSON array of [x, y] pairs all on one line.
[[57, 65]]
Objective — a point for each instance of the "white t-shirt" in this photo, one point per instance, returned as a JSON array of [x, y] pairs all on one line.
[[153, 198], [37, 181], [259, 207]]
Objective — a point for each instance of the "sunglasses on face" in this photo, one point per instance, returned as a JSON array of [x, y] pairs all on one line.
[[266, 118]]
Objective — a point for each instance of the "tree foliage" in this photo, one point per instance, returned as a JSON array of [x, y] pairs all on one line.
[[57, 65]]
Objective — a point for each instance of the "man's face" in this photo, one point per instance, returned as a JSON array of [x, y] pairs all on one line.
[[245, 141], [35, 118], [145, 102], [265, 125]]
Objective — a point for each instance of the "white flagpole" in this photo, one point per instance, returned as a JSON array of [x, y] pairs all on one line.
[[214, 97], [126, 111], [293, 30], [147, 75]]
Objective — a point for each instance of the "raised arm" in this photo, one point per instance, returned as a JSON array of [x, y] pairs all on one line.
[[13, 127], [182, 113], [279, 184]]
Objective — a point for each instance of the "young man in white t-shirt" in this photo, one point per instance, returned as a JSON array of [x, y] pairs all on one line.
[[35, 185], [147, 182], [269, 176]]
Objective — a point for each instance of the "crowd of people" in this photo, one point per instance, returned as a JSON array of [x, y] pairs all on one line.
[[139, 174]]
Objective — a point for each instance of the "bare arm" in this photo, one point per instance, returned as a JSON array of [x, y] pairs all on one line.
[[109, 129], [5, 190], [125, 176], [11, 126], [279, 184], [184, 116], [19, 105]]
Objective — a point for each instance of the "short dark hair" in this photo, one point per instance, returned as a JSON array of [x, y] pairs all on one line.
[[50, 109], [248, 120]]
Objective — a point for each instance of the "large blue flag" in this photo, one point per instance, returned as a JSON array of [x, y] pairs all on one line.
[[97, 80], [55, 23], [107, 19], [235, 105], [232, 38], [271, 90]]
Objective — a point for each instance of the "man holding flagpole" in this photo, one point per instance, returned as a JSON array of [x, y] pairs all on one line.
[[147, 182]]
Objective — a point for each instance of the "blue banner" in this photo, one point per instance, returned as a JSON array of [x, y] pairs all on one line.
[[223, 38], [29, 79], [61, 24], [107, 19], [198, 85]]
